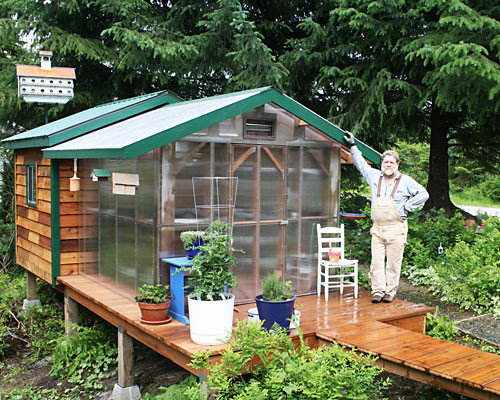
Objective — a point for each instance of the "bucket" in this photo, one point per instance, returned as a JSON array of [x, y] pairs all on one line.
[[253, 316]]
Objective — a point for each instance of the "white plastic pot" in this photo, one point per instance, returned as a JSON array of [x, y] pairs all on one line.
[[253, 316], [211, 322]]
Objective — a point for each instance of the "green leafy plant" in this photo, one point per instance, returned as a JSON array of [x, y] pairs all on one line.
[[211, 275], [152, 294], [173, 392], [85, 357], [273, 289], [440, 326], [189, 238], [258, 365]]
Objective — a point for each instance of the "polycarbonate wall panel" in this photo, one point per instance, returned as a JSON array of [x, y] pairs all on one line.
[[244, 210], [146, 196], [244, 238], [107, 246], [181, 161], [271, 250], [107, 200], [146, 254], [126, 225], [301, 256], [315, 182], [293, 195], [126, 247], [197, 165], [126, 204], [271, 189]]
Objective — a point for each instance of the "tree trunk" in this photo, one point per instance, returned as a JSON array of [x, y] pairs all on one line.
[[438, 184]]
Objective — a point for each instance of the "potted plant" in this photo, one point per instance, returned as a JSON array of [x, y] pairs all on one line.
[[192, 240], [276, 303], [211, 279], [154, 303]]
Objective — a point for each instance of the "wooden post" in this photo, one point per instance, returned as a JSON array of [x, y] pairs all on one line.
[[31, 286], [70, 315], [125, 358]]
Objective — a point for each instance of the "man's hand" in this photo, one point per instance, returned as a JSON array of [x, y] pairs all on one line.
[[349, 138]]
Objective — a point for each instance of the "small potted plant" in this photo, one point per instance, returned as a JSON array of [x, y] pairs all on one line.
[[276, 303], [192, 240], [154, 302], [211, 279]]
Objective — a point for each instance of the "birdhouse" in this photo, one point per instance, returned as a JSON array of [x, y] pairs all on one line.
[[44, 83], [99, 174]]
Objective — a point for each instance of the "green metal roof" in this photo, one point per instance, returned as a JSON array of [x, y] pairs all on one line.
[[150, 130], [86, 121]]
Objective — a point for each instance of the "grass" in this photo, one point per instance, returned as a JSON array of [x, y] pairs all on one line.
[[465, 199]]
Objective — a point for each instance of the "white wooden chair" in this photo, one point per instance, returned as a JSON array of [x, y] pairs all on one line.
[[332, 274]]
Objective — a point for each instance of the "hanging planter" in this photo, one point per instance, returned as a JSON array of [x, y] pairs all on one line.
[[192, 241]]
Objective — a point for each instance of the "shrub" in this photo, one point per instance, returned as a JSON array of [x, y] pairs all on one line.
[[440, 326], [85, 357], [285, 372], [275, 290], [152, 294], [426, 235]]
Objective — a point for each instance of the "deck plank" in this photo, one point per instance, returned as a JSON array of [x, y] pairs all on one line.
[[452, 368], [356, 323]]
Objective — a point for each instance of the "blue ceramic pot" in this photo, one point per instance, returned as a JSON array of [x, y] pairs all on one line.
[[275, 311], [195, 249]]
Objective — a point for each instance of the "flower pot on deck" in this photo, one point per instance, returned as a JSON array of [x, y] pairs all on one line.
[[211, 322], [279, 312], [154, 313]]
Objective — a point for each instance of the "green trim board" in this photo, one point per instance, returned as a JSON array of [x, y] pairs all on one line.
[[151, 130], [55, 223], [30, 184], [86, 121], [101, 173]]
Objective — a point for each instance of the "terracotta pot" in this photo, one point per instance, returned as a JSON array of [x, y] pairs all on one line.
[[154, 313], [470, 222]]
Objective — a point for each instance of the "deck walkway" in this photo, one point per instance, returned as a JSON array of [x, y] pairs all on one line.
[[393, 332]]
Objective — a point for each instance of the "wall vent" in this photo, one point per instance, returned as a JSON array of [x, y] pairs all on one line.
[[257, 128]]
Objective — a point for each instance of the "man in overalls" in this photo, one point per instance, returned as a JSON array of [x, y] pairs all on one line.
[[393, 197]]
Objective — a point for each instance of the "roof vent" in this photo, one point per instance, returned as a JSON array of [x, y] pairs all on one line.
[[257, 128]]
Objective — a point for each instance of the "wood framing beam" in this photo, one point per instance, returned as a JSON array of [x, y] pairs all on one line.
[[273, 159], [179, 165], [70, 314], [125, 358], [31, 286], [242, 158]]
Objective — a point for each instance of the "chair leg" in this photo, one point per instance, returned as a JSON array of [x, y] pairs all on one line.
[[342, 280], [318, 288], [356, 281]]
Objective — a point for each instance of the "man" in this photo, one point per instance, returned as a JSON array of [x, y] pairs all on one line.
[[393, 197]]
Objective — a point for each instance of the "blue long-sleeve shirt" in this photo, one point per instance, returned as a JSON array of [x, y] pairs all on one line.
[[409, 195]]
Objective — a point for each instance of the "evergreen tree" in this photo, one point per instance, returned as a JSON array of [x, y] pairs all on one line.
[[419, 69]]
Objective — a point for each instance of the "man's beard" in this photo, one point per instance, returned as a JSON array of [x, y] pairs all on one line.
[[388, 172]]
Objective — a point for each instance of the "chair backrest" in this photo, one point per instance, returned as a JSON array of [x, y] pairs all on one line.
[[330, 239]]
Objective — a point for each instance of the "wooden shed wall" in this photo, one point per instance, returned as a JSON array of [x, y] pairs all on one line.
[[34, 244]]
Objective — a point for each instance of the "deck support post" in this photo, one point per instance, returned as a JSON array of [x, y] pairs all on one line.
[[31, 299], [70, 315], [125, 388]]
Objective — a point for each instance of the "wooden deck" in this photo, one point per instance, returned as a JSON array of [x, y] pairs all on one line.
[[393, 332]]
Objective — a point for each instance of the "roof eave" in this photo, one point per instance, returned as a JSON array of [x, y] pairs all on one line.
[[72, 132], [268, 94]]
